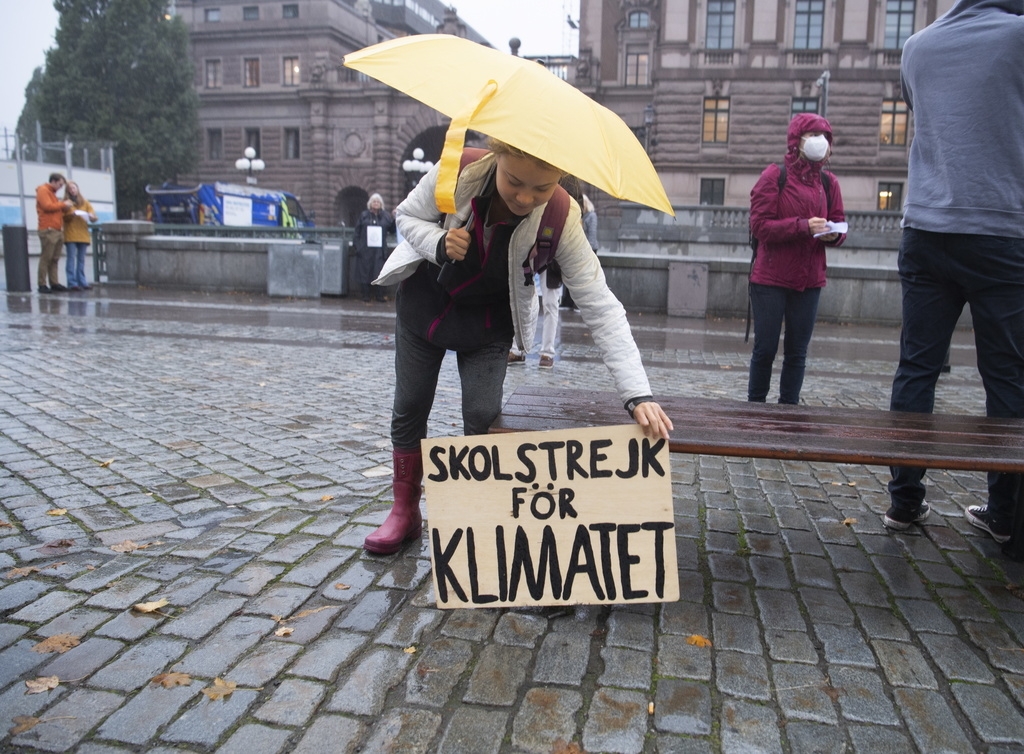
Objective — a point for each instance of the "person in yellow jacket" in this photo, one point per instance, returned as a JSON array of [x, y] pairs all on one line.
[[51, 240], [76, 236]]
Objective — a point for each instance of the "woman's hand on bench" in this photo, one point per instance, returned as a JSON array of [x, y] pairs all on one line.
[[653, 419]]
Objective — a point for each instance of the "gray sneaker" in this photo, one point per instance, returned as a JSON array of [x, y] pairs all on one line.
[[900, 520]]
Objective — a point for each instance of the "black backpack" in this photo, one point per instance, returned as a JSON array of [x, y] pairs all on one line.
[[826, 183]]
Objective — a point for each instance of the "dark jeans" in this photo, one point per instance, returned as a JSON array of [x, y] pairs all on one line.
[[417, 365], [770, 306], [939, 273]]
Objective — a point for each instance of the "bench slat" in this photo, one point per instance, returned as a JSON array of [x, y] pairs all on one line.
[[806, 433]]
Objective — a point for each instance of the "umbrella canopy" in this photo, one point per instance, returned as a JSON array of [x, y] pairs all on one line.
[[518, 102]]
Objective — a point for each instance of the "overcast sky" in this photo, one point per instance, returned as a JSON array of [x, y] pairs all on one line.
[[28, 27]]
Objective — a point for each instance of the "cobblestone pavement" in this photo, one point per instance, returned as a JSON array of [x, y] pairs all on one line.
[[242, 444]]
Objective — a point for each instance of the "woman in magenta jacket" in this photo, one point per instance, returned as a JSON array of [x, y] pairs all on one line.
[[788, 272]]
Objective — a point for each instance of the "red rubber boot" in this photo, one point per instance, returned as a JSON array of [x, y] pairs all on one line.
[[404, 522]]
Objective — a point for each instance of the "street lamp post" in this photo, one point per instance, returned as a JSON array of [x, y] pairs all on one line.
[[415, 168], [250, 164]]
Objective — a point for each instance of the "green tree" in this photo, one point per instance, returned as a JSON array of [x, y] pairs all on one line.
[[121, 72]]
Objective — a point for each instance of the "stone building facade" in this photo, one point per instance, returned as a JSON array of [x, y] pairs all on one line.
[[708, 85]]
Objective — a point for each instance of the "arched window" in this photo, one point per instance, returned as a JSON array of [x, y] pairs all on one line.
[[638, 19]]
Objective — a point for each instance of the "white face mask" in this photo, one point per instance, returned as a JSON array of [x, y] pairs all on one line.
[[815, 148]]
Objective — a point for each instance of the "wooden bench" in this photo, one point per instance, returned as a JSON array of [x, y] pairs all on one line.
[[800, 433]]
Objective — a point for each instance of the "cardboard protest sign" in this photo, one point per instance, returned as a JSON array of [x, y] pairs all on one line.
[[581, 516]]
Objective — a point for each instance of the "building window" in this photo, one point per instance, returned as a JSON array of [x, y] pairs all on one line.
[[890, 197], [712, 191], [291, 144], [721, 24], [899, 23], [638, 68], [214, 144], [810, 24], [803, 105], [893, 130], [638, 19], [252, 139], [290, 10], [290, 72], [213, 74], [716, 120], [252, 71], [251, 13], [212, 15]]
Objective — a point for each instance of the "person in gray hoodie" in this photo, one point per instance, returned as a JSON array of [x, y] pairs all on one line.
[[963, 229]]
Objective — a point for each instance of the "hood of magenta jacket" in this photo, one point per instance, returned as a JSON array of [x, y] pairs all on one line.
[[788, 255]]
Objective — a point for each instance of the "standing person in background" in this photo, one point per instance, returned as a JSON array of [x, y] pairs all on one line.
[[77, 236], [370, 239], [788, 271], [963, 230], [50, 210], [552, 292]]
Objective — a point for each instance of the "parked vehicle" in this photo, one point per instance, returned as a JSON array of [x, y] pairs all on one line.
[[225, 204]]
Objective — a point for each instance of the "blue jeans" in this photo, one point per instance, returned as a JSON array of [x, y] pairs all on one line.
[[770, 306], [417, 365], [939, 273], [75, 266]]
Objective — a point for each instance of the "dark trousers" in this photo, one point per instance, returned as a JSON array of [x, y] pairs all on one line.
[[771, 306], [417, 366], [939, 274]]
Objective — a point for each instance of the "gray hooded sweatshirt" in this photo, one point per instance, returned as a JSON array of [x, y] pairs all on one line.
[[963, 78]]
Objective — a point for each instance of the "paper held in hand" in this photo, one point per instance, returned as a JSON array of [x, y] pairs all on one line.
[[567, 517], [843, 227]]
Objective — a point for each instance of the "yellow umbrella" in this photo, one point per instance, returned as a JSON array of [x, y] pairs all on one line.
[[518, 102]]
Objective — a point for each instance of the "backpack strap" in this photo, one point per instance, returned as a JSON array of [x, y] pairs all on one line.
[[549, 233]]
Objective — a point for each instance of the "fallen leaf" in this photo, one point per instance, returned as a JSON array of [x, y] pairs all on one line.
[[339, 585], [313, 610], [698, 641], [326, 498], [59, 643], [650, 708], [129, 546], [221, 689], [57, 544], [56, 512], [24, 723], [410, 650], [561, 747], [16, 572], [104, 464], [6, 525], [27, 722], [1015, 590], [284, 631], [42, 683], [852, 484], [849, 521], [150, 607], [170, 680]]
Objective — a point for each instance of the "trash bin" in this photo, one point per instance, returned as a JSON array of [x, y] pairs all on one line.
[[16, 258]]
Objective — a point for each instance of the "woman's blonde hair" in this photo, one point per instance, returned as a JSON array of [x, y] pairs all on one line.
[[77, 198], [500, 147]]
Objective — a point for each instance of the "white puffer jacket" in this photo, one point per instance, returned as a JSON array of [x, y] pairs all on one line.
[[418, 219]]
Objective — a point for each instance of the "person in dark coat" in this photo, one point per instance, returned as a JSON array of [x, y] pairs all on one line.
[[788, 272], [370, 241]]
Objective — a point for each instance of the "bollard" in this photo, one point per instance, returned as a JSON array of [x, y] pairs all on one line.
[[16, 258]]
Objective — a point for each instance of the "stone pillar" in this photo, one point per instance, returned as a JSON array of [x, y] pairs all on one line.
[[120, 240]]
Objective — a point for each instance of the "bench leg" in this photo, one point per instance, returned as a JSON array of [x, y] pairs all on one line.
[[1014, 549]]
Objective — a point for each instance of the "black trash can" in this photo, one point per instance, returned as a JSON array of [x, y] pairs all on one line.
[[16, 258]]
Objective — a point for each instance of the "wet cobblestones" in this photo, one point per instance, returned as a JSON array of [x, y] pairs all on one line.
[[242, 444]]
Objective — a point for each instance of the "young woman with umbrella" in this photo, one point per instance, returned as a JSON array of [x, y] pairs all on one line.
[[482, 306]]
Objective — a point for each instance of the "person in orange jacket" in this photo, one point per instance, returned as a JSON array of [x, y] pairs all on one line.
[[50, 210]]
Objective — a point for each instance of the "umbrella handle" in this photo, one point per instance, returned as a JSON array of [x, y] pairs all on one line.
[[444, 277]]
